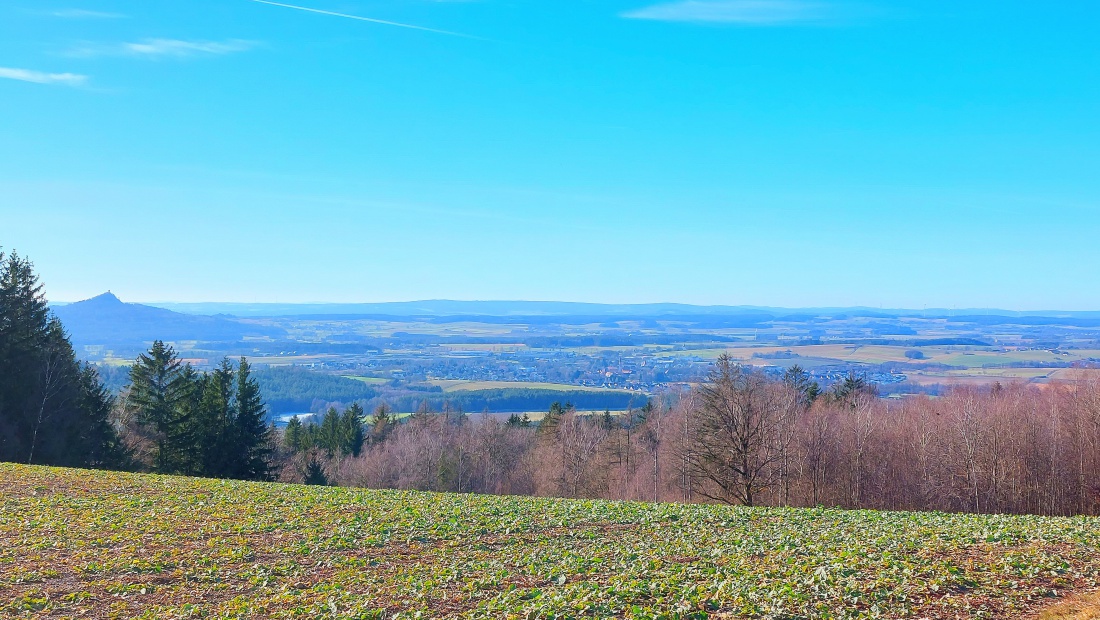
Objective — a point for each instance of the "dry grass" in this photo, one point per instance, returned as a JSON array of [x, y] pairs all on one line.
[[1084, 607]]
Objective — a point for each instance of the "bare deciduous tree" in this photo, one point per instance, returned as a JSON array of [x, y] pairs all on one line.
[[738, 441], [745, 438]]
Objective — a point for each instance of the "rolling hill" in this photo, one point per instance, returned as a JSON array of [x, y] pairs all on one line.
[[105, 319]]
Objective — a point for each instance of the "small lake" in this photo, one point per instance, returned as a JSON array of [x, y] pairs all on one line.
[[283, 419]]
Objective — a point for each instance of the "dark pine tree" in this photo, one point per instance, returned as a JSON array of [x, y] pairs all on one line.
[[23, 326], [189, 414], [381, 424], [252, 434], [352, 423], [53, 410], [294, 435], [159, 389], [797, 378], [98, 437], [216, 423], [329, 435], [315, 471], [548, 427]]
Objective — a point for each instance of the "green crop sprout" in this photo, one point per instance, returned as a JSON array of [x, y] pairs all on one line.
[[77, 543]]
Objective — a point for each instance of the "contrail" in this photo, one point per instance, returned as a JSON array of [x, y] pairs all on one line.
[[366, 19]]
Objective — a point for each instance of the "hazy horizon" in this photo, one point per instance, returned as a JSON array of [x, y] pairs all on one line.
[[218, 306]]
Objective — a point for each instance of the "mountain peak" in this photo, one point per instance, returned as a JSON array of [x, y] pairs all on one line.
[[107, 298], [105, 319]]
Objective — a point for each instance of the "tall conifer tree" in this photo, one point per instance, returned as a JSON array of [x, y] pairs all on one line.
[[253, 435], [329, 434], [99, 437], [23, 319], [293, 435], [216, 424], [158, 394], [53, 410], [352, 421]]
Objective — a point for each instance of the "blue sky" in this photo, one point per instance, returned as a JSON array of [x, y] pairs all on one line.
[[768, 152]]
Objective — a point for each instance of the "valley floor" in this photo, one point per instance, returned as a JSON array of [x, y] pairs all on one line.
[[98, 545]]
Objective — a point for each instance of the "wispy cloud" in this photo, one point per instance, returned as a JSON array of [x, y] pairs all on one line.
[[165, 48], [178, 48], [366, 19], [40, 77], [745, 12], [85, 14]]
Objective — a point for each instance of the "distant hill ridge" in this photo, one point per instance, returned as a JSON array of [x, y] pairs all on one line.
[[444, 307], [107, 319]]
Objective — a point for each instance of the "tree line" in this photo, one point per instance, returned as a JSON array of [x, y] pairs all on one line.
[[170, 418], [53, 409], [177, 420], [745, 438], [293, 389]]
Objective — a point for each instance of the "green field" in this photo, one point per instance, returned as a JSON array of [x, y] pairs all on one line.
[[91, 544], [372, 380]]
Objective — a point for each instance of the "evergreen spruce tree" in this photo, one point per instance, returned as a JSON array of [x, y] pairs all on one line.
[[98, 436], [23, 326], [215, 425], [797, 378], [253, 436], [54, 420], [53, 410], [293, 435], [519, 421], [188, 438], [158, 389], [311, 438], [315, 471], [352, 423], [549, 425], [381, 423], [329, 435]]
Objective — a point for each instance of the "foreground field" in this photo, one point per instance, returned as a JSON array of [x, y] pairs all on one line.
[[92, 544]]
